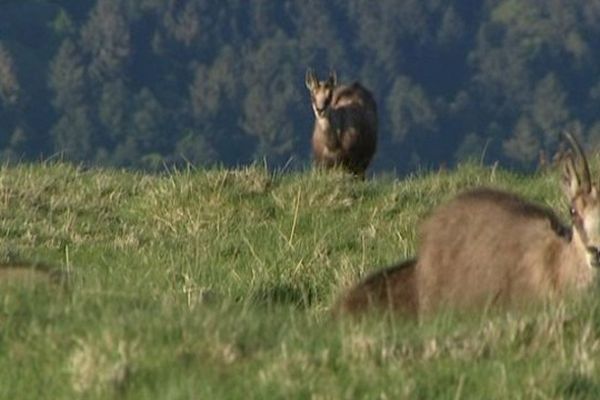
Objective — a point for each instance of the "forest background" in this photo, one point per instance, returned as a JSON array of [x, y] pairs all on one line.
[[154, 83]]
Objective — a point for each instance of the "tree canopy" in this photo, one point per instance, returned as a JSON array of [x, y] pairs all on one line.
[[149, 83]]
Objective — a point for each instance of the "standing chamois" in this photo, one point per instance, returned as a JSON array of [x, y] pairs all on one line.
[[345, 132], [492, 248]]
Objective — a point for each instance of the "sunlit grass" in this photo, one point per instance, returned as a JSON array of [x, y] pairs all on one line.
[[218, 284]]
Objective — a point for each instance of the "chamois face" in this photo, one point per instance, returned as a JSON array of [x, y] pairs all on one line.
[[585, 202], [585, 215], [321, 93]]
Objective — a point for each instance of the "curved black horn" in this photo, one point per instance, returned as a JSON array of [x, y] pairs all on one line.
[[582, 161], [310, 78]]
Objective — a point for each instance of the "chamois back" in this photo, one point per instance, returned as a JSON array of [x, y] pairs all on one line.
[[494, 248]]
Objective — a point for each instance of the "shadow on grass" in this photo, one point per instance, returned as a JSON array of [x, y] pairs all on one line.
[[285, 294], [577, 386], [34, 273]]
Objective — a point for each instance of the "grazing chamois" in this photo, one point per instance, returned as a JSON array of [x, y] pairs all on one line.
[[488, 248], [345, 132]]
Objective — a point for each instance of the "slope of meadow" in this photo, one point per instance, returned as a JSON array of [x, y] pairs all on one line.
[[212, 284]]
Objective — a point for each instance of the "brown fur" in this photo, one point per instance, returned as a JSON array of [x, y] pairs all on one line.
[[488, 247], [346, 135], [391, 289]]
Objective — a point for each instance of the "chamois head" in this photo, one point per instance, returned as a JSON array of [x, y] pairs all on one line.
[[584, 201], [321, 92]]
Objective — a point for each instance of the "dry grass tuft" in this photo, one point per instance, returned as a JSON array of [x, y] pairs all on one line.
[[100, 365]]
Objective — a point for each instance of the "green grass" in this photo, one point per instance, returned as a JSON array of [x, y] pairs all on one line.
[[210, 284]]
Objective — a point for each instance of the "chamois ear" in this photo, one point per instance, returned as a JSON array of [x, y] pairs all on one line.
[[570, 180], [310, 79], [333, 78]]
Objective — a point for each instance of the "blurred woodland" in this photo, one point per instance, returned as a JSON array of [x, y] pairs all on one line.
[[149, 83]]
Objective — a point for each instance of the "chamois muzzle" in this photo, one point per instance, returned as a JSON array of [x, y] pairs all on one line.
[[321, 111], [594, 253], [323, 108]]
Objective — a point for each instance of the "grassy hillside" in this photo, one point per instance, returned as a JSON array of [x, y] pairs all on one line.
[[217, 284]]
